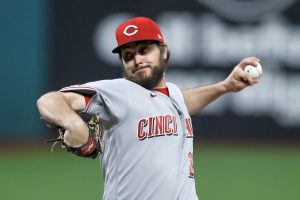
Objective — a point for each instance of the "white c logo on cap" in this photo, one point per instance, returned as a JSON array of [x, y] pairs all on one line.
[[132, 33]]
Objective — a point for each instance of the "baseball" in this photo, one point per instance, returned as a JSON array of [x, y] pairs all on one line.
[[254, 72]]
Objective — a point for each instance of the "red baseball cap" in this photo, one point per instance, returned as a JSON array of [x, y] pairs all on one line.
[[137, 29]]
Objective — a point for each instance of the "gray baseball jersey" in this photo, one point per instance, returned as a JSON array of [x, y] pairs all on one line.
[[148, 140]]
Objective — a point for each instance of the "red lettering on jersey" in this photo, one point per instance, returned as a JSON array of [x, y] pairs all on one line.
[[174, 126], [159, 126], [168, 121], [189, 128], [141, 134], [150, 127], [156, 126]]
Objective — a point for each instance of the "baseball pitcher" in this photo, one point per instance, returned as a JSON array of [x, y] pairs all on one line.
[[139, 125]]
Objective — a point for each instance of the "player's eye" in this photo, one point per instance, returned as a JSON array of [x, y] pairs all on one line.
[[144, 50], [127, 56]]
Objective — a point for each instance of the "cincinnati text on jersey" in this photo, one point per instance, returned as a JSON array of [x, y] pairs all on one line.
[[161, 126]]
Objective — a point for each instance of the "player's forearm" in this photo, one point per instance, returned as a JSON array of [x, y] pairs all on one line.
[[55, 109], [197, 98]]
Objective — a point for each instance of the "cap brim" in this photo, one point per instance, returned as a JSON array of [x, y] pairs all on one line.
[[117, 49]]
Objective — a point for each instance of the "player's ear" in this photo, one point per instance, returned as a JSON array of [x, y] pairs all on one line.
[[165, 51]]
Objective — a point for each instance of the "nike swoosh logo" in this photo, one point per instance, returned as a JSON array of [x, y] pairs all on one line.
[[153, 95]]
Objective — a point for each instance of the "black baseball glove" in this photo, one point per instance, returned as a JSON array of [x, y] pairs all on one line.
[[94, 145]]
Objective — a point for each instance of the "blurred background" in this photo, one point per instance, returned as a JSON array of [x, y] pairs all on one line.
[[246, 144]]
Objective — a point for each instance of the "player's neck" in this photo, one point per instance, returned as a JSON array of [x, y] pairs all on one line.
[[162, 87], [161, 84]]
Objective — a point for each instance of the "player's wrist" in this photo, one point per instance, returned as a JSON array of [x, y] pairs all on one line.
[[77, 135], [222, 87]]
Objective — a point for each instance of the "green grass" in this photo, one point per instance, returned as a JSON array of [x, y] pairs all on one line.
[[222, 173], [47, 176], [248, 173]]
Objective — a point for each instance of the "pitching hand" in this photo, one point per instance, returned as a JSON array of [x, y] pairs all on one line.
[[238, 79]]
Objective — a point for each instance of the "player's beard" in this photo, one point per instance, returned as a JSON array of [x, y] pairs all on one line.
[[151, 81]]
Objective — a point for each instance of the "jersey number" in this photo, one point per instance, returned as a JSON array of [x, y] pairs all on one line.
[[191, 170]]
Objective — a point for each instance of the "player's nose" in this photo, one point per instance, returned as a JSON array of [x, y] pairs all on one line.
[[138, 60]]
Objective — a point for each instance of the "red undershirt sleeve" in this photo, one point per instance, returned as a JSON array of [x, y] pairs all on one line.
[[87, 98]]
